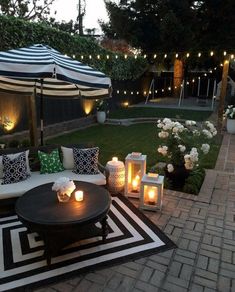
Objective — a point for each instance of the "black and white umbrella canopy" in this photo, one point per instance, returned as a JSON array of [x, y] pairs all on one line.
[[41, 67]]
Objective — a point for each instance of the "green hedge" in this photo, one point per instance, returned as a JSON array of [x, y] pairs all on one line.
[[16, 33]]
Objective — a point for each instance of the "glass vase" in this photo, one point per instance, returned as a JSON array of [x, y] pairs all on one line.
[[62, 197]]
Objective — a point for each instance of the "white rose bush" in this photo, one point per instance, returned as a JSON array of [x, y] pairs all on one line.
[[182, 145]]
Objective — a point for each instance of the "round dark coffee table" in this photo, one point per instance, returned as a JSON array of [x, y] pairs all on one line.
[[60, 224]]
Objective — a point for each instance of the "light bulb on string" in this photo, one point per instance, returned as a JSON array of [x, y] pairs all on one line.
[[212, 53], [176, 55], [199, 55], [155, 56], [187, 55]]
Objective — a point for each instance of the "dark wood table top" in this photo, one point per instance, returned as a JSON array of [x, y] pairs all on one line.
[[40, 206]]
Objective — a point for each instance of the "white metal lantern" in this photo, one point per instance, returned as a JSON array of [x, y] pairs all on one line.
[[135, 168], [116, 177], [151, 193]]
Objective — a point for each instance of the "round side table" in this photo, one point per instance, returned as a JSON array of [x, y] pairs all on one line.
[[116, 178]]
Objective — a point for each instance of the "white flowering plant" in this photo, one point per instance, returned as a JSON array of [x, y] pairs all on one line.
[[182, 145], [230, 112], [64, 185]]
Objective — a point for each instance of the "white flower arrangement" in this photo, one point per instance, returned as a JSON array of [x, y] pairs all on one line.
[[179, 139], [230, 112], [64, 185]]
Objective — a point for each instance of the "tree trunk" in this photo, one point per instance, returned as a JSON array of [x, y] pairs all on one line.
[[178, 76]]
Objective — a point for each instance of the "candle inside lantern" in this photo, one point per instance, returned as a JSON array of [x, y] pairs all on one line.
[[151, 197], [114, 159], [79, 196], [135, 183]]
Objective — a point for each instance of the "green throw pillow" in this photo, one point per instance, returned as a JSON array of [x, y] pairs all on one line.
[[50, 162]]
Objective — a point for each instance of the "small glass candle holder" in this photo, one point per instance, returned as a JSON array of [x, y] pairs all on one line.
[[79, 196], [62, 197]]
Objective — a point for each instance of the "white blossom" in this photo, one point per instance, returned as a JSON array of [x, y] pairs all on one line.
[[163, 134], [163, 150], [182, 148], [190, 123], [170, 167], [207, 133], [205, 148]]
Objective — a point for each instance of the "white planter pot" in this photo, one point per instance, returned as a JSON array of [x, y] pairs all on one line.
[[101, 117], [231, 126]]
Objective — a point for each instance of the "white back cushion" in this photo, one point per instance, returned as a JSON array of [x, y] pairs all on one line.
[[68, 160]]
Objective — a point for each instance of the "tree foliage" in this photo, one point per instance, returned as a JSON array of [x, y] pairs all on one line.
[[156, 25], [26, 9], [17, 33]]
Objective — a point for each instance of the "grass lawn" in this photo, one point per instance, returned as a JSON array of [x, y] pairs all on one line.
[[121, 140], [136, 112]]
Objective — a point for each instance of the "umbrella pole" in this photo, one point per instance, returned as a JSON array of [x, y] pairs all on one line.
[[41, 112]]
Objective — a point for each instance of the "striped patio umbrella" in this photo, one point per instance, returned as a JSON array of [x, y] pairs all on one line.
[[42, 69]]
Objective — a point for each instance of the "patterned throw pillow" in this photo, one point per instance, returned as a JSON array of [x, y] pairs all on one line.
[[14, 169], [50, 162], [86, 160]]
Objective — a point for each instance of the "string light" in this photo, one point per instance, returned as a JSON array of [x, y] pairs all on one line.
[[169, 88], [131, 92], [154, 56], [117, 91], [145, 92], [137, 92]]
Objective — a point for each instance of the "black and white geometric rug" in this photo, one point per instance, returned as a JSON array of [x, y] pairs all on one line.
[[132, 235]]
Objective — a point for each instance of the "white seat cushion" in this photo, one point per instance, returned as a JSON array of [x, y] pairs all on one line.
[[37, 179]]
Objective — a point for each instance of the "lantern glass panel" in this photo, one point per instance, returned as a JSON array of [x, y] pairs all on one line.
[[134, 171], [150, 195]]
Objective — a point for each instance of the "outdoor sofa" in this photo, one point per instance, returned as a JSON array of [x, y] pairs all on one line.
[[14, 190]]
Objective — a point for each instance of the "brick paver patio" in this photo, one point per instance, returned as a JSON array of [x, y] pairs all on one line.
[[202, 226]]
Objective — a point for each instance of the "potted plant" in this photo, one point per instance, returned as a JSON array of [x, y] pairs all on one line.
[[230, 115], [101, 110]]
